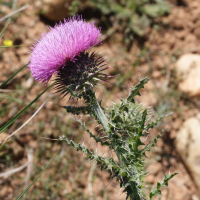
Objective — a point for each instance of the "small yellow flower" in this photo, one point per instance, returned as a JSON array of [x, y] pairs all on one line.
[[8, 43]]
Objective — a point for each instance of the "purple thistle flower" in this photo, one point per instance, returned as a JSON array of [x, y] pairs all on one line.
[[61, 45]]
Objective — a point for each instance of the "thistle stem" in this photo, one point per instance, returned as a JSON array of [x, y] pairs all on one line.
[[100, 115], [90, 98]]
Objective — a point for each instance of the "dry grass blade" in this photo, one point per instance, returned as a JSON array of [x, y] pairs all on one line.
[[27, 164], [10, 172], [6, 90], [90, 180], [24, 192], [24, 123], [13, 13]]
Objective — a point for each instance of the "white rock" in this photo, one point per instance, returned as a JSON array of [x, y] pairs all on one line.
[[188, 70], [56, 10], [188, 146]]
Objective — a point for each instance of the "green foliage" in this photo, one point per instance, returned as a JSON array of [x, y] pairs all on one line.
[[132, 17], [125, 124], [107, 164], [156, 191], [73, 8], [136, 90], [96, 138], [77, 110]]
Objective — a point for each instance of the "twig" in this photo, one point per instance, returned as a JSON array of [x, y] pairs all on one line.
[[6, 90], [13, 13], [29, 166], [10, 172], [90, 181], [8, 20], [25, 122]]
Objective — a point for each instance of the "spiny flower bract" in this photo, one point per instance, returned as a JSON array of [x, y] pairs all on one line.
[[81, 74], [61, 44]]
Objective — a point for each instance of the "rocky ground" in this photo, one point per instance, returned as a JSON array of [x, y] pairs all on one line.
[[169, 53]]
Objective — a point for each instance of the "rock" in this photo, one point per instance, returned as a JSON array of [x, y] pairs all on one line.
[[28, 83], [188, 71], [56, 10], [156, 74], [188, 146]]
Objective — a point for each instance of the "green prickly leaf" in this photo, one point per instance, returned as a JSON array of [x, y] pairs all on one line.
[[124, 108], [122, 172], [144, 116], [152, 124], [156, 191], [152, 143], [107, 164], [137, 143], [136, 90], [118, 119], [77, 110], [96, 138]]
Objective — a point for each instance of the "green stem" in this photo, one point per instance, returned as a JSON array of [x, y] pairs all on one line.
[[100, 114], [6, 81], [101, 117]]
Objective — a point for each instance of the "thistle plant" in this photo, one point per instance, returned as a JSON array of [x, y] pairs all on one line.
[[65, 51]]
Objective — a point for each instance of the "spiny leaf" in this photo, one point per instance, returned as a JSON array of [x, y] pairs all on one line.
[[136, 90], [77, 110], [152, 143], [97, 139], [164, 182], [108, 164], [152, 124], [144, 115]]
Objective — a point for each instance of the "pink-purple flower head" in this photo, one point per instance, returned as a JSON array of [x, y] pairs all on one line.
[[62, 44]]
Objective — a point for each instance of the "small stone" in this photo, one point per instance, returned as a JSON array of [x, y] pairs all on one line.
[[56, 10], [188, 71], [187, 144], [193, 4], [177, 123], [156, 74], [3, 136], [150, 178]]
